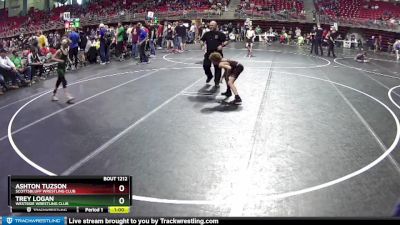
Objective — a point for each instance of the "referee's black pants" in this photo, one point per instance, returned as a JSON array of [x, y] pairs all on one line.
[[73, 56], [207, 68], [142, 52], [313, 44], [319, 46], [119, 49], [331, 48]]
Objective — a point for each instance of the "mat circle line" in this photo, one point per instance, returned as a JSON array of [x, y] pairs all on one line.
[[264, 50]]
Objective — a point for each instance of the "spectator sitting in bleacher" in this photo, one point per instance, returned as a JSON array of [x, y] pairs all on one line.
[[93, 50], [300, 40], [2, 85], [9, 71], [258, 30], [46, 52], [21, 68], [35, 62]]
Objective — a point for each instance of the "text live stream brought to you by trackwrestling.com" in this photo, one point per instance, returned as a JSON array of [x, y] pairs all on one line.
[[57, 220]]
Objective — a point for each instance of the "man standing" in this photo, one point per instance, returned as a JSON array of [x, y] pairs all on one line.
[[396, 47], [313, 40], [74, 46], [330, 38], [143, 37], [153, 39], [160, 33], [181, 33], [104, 44], [215, 41], [120, 41], [319, 39], [298, 32], [135, 39], [192, 33]]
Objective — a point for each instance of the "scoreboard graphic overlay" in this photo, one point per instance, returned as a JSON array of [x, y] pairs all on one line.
[[87, 194]]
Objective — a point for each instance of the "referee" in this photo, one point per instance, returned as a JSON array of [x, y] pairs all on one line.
[[214, 41]]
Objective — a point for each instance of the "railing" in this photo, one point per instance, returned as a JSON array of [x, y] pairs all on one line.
[[361, 23], [190, 15], [267, 15]]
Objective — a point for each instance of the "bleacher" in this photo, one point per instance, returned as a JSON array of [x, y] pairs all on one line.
[[371, 10], [36, 19], [384, 10]]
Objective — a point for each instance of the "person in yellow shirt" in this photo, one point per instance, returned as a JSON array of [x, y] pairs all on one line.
[[42, 40], [96, 44]]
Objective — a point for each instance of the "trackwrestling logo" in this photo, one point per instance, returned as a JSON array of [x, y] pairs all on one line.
[[45, 220]]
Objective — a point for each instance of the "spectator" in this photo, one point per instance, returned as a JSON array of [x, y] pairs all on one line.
[[135, 40], [258, 30], [22, 69], [35, 63], [74, 46], [143, 37], [120, 41], [191, 33], [396, 47], [2, 84], [8, 70], [42, 40], [105, 41], [169, 36], [298, 32], [160, 32], [92, 52], [181, 35]]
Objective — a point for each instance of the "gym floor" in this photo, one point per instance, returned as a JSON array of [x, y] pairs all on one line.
[[313, 137]]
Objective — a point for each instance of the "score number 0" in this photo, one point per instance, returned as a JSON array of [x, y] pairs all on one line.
[[121, 200]]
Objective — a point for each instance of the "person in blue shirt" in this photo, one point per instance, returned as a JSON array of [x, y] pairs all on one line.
[[143, 37], [74, 46], [104, 45]]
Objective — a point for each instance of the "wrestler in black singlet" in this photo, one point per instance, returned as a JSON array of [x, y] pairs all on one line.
[[236, 70]]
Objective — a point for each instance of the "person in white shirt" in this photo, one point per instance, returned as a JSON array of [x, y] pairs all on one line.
[[192, 32], [129, 34], [9, 71], [396, 47], [298, 32], [250, 36]]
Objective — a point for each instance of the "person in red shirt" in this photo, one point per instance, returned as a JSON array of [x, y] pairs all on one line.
[[160, 31], [324, 33], [135, 39], [44, 51]]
